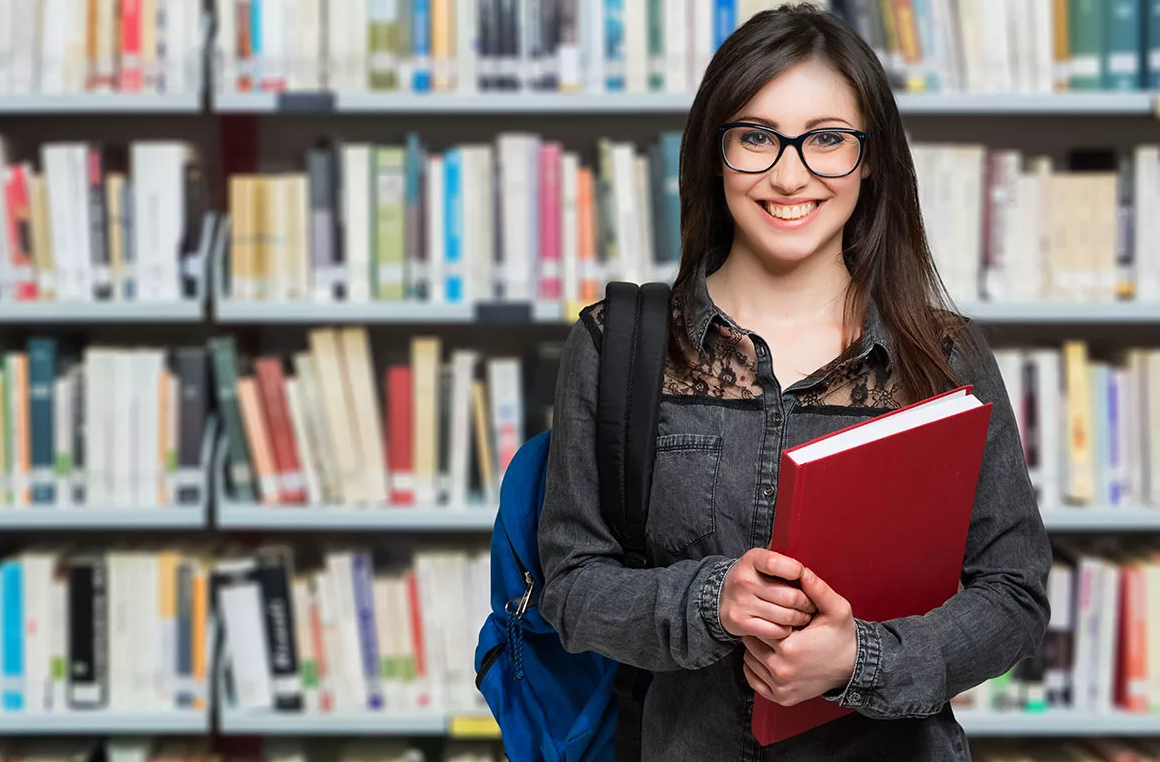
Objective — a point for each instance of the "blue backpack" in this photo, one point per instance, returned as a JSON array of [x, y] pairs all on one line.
[[552, 705]]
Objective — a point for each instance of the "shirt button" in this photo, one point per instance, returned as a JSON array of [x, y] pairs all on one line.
[[760, 350], [768, 491]]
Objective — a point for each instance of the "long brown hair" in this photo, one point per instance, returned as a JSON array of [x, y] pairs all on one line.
[[884, 244]]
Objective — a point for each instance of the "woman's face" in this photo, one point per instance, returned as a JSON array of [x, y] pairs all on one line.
[[788, 214]]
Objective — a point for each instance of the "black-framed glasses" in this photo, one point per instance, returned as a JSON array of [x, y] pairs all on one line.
[[825, 152]]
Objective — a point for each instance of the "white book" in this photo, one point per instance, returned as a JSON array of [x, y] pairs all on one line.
[[7, 284], [339, 419], [149, 666], [340, 568], [182, 35], [357, 43], [1139, 438], [463, 364], [457, 640], [436, 225], [636, 45], [53, 45], [968, 184], [76, 61], [120, 668], [1108, 599], [426, 565], [240, 609], [465, 23], [7, 44], [81, 220], [676, 47], [356, 169], [1047, 475], [368, 419], [1152, 403], [303, 441], [126, 455], [516, 199], [60, 645], [507, 408], [21, 71], [569, 51], [54, 162], [62, 441], [36, 580], [389, 678], [307, 60], [315, 421], [1023, 266], [105, 58], [340, 57], [275, 31], [226, 43], [592, 45], [628, 214], [96, 443], [158, 217], [646, 244], [700, 39], [333, 683], [1146, 224], [1010, 364], [279, 267], [147, 379], [1043, 26], [570, 225], [298, 286]]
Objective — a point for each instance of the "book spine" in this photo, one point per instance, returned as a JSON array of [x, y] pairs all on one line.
[[41, 377], [368, 638], [225, 363], [421, 45], [193, 380], [271, 379], [453, 196], [1152, 42], [273, 573], [1123, 66]]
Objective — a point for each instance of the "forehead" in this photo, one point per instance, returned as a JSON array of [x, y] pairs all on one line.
[[808, 91]]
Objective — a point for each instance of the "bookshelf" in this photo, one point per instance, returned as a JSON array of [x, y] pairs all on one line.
[[171, 723], [204, 111]]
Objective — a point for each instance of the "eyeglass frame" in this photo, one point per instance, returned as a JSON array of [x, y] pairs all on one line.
[[796, 142]]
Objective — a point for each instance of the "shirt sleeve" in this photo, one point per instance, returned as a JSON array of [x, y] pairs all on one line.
[[658, 619], [912, 666]]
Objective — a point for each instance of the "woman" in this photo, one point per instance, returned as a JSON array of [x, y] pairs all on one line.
[[807, 300]]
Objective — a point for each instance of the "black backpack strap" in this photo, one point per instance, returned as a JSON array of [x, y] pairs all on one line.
[[632, 366]]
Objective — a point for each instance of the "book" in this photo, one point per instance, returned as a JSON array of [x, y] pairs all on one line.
[[903, 463]]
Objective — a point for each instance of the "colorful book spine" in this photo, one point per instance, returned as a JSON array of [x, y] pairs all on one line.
[[41, 381], [421, 45], [453, 263], [614, 54], [12, 632], [362, 572], [724, 21], [1123, 66]]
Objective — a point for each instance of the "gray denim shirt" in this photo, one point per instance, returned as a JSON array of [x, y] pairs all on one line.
[[723, 425]]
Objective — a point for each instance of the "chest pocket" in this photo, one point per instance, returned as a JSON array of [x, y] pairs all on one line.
[[681, 508]]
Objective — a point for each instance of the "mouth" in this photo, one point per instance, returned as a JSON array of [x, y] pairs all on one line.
[[795, 214]]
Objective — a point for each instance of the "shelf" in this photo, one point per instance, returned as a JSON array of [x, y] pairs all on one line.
[[1015, 104], [190, 311], [1029, 104], [233, 722], [104, 723], [101, 103], [292, 518], [1062, 313], [1106, 519], [422, 313], [1060, 724], [49, 517]]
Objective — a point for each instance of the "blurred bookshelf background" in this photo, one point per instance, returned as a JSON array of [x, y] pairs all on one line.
[[284, 283]]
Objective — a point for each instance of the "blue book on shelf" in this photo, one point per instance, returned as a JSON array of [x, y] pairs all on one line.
[[12, 631], [453, 225], [1151, 43], [41, 377], [414, 157], [368, 639], [724, 21], [421, 45], [614, 58], [928, 42], [671, 161], [256, 42], [1124, 65]]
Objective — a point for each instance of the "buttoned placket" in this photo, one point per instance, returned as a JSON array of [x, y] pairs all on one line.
[[776, 407]]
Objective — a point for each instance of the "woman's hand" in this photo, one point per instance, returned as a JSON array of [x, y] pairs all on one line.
[[757, 599], [810, 661]]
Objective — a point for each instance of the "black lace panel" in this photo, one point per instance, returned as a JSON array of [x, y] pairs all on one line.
[[726, 368]]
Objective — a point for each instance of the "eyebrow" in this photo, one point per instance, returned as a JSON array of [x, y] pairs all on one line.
[[809, 125]]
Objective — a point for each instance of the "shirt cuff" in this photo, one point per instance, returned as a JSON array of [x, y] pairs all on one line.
[[867, 668], [709, 601]]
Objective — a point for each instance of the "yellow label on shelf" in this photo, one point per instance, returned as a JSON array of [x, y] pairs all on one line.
[[572, 310], [473, 726]]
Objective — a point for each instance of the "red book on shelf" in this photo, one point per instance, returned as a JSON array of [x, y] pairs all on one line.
[[400, 447], [272, 383], [880, 511]]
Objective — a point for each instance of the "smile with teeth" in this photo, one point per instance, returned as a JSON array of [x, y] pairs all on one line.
[[784, 212]]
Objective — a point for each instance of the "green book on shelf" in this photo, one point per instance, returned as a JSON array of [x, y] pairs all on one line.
[[1124, 63], [1088, 43], [383, 44], [656, 45], [225, 376], [388, 273]]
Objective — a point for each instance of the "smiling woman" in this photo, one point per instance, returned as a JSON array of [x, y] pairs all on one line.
[[807, 301]]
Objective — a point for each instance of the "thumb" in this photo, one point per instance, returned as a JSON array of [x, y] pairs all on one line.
[[822, 595]]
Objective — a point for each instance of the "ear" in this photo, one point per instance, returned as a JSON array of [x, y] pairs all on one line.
[[865, 170]]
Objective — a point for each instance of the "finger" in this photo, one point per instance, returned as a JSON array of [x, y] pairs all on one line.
[[777, 565], [757, 647], [771, 612], [822, 594], [761, 628], [790, 597], [756, 683]]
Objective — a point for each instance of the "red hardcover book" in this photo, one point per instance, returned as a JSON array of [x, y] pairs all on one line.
[[272, 383], [400, 419], [880, 511], [551, 156]]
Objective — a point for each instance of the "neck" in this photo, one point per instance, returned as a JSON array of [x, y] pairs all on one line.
[[756, 292]]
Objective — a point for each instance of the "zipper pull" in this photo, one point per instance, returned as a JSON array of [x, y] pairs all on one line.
[[525, 600]]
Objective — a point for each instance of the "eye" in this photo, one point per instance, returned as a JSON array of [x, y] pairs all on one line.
[[756, 139], [830, 139]]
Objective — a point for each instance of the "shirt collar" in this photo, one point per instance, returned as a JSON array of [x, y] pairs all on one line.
[[704, 312]]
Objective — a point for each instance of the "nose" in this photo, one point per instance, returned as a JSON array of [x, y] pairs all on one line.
[[789, 175]]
